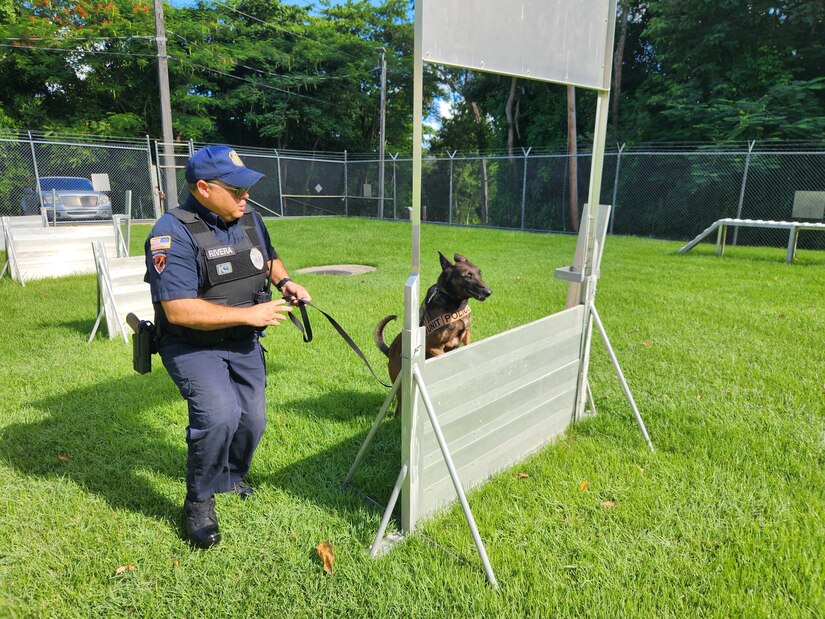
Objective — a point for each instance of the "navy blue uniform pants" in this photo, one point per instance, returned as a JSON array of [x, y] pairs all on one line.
[[224, 387]]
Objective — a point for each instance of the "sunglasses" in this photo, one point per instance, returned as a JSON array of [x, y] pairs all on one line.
[[238, 192]]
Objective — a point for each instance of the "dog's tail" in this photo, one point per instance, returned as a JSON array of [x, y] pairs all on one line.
[[379, 334]]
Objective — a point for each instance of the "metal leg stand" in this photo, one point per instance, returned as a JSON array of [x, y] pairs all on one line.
[[376, 544], [375, 424], [597, 319], [590, 401], [448, 460]]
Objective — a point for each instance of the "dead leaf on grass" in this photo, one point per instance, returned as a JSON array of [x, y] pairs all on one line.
[[63, 458], [608, 503], [583, 485], [523, 476], [125, 568], [645, 344], [326, 555]]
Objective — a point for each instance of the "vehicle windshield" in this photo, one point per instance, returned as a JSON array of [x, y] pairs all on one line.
[[47, 183]]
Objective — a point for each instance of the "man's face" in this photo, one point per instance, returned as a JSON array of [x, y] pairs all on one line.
[[226, 201]]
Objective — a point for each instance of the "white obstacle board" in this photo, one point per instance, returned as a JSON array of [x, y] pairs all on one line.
[[557, 41], [522, 385]]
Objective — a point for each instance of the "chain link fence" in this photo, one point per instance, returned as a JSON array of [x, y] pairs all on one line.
[[27, 158], [661, 191]]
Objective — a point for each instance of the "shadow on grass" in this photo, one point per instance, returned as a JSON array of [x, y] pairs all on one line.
[[319, 477], [111, 441], [103, 438], [84, 327]]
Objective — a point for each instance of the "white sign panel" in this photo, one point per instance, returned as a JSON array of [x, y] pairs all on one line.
[[100, 182], [562, 41]]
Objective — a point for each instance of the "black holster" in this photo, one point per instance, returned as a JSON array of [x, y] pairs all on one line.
[[144, 345]]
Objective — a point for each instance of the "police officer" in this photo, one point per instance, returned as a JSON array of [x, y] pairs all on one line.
[[205, 261]]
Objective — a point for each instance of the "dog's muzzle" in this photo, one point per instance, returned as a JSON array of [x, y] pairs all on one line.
[[482, 293]]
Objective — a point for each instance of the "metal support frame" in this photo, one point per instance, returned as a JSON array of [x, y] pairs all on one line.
[[619, 374], [11, 258], [595, 71], [105, 294], [751, 144]]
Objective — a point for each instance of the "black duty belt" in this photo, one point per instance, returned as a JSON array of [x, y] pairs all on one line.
[[306, 332]]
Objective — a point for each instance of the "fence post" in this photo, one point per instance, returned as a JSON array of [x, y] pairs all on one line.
[[152, 182], [346, 187], [751, 144], [280, 185], [524, 185], [128, 221], [394, 157], [615, 187], [450, 212], [36, 172]]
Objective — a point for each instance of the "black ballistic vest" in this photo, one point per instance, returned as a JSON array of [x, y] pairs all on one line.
[[233, 273]]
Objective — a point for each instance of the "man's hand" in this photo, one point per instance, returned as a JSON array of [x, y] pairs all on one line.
[[295, 293], [268, 314]]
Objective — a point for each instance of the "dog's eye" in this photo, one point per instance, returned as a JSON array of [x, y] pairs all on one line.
[[468, 277]]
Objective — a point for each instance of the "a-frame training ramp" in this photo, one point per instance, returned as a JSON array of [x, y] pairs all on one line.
[[120, 291], [521, 388], [35, 251]]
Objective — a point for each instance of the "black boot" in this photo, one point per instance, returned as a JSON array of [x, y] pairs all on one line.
[[201, 522]]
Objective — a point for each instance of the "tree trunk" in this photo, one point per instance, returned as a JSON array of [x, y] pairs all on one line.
[[572, 160], [618, 56], [485, 194], [508, 112]]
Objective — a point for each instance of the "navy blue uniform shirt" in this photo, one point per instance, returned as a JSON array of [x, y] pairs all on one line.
[[173, 265]]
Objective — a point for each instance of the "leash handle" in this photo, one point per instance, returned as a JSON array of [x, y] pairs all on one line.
[[306, 332]]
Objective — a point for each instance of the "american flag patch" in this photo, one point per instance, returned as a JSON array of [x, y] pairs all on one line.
[[160, 242]]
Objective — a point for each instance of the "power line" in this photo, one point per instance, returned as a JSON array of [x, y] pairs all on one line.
[[74, 50], [175, 58], [316, 77], [248, 81], [282, 29], [139, 37]]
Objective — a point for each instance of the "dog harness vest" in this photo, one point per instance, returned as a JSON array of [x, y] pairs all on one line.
[[447, 318], [233, 273]]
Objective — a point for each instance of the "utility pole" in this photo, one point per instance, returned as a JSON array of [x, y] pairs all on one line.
[[382, 138], [165, 110]]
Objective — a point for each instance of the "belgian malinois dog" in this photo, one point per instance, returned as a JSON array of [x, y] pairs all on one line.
[[444, 312]]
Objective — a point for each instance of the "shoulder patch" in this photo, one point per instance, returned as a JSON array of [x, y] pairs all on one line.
[[160, 242]]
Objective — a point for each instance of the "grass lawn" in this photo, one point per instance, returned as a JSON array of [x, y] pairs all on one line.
[[725, 358]]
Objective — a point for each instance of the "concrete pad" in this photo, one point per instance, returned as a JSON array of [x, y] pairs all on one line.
[[338, 269]]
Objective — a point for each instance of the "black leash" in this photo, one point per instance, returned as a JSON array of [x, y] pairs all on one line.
[[306, 333]]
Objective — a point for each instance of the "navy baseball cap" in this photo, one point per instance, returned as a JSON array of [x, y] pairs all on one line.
[[220, 163]]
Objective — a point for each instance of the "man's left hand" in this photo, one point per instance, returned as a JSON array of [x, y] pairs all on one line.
[[295, 293]]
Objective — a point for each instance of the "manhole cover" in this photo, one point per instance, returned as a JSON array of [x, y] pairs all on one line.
[[338, 269]]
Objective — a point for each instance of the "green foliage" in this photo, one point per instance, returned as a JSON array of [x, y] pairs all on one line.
[[260, 72]]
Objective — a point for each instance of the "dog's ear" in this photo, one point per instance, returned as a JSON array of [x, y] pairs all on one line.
[[445, 264], [460, 258]]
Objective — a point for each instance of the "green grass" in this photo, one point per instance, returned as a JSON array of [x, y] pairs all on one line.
[[727, 519]]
